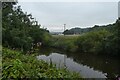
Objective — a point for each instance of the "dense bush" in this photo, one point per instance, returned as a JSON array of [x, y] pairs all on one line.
[[18, 65], [104, 41], [93, 42], [113, 41]]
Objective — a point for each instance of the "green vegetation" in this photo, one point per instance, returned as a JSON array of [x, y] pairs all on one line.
[[85, 30], [76, 31], [103, 41], [93, 42], [99, 40], [19, 65], [20, 30], [66, 43]]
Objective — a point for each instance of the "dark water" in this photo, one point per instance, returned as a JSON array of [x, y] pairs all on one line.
[[89, 66]]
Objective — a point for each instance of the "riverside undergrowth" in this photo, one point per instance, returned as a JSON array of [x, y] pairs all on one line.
[[19, 65]]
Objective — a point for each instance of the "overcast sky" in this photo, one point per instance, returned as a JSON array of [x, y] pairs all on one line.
[[52, 15]]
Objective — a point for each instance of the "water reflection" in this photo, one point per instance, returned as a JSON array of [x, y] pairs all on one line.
[[89, 66], [84, 70]]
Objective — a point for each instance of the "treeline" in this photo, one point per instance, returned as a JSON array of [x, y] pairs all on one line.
[[20, 30], [103, 40], [78, 30]]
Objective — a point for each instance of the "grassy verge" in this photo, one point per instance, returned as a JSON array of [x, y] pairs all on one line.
[[66, 43], [19, 65]]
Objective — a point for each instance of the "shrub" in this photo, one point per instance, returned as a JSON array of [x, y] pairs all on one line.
[[18, 65], [92, 42]]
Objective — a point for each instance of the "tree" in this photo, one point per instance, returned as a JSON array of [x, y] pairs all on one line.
[[20, 29]]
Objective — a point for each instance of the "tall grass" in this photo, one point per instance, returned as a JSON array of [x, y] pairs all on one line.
[[65, 42]]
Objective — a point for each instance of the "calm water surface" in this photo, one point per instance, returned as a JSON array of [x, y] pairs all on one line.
[[88, 66]]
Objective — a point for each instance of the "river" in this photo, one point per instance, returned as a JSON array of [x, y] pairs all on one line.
[[88, 65]]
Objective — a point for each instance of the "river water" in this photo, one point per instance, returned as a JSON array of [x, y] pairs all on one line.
[[89, 66]]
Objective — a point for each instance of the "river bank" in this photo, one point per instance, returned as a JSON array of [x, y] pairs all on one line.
[[19, 65]]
